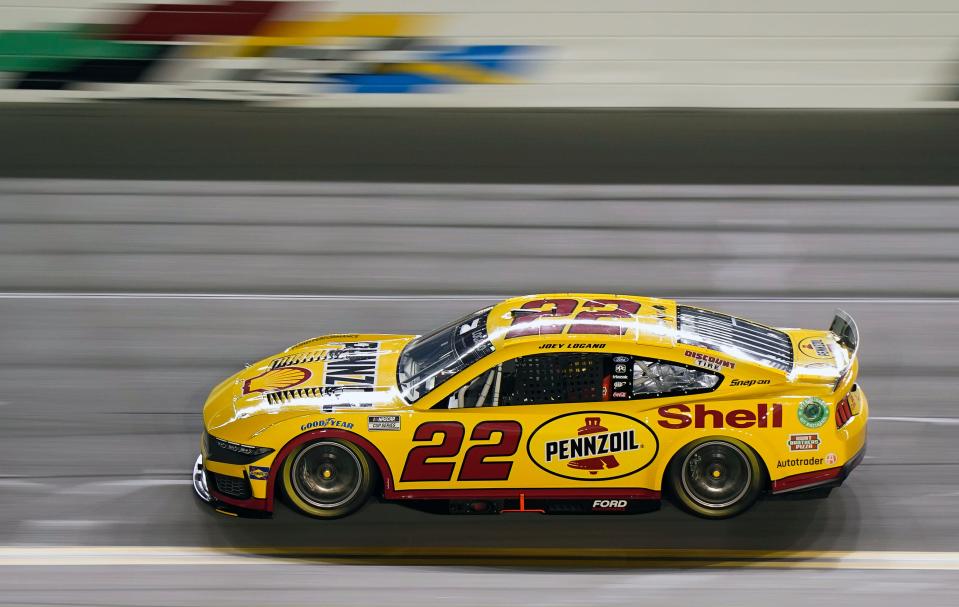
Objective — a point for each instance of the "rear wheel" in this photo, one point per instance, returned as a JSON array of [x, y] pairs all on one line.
[[327, 478], [716, 478]]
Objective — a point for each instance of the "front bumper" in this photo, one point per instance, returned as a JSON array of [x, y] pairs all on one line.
[[206, 491], [199, 481]]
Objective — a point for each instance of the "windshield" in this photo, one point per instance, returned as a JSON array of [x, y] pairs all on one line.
[[430, 360]]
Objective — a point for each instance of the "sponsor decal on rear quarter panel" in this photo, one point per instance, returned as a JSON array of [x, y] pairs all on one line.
[[803, 442], [593, 446], [813, 412]]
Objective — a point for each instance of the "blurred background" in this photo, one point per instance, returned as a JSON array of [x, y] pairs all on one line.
[[186, 187]]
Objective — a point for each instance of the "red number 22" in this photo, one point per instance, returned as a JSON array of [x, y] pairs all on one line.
[[550, 316], [418, 468]]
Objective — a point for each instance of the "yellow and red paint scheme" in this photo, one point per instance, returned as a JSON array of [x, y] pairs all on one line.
[[424, 450]]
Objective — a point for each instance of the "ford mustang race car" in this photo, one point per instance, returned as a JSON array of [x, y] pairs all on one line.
[[557, 403]]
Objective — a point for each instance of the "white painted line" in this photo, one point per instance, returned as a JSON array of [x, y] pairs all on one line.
[[121, 487], [69, 523], [248, 296], [397, 190], [16, 483], [940, 421], [41, 295], [125, 556]]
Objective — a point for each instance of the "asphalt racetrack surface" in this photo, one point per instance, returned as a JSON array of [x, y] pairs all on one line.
[[124, 303]]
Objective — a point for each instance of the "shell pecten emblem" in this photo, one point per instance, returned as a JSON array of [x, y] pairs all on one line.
[[276, 379], [593, 446]]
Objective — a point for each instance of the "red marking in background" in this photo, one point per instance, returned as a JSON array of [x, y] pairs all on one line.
[[166, 22], [523, 508]]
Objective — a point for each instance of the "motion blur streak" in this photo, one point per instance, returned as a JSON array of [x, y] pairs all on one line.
[[125, 302], [134, 556], [469, 239]]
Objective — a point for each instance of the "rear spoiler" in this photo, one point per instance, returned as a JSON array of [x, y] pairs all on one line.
[[847, 334]]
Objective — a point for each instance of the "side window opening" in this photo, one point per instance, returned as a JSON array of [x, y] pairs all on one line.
[[653, 378], [484, 391], [579, 378], [557, 378], [537, 379]]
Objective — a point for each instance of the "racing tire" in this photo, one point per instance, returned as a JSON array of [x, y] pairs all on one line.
[[327, 478], [716, 478]]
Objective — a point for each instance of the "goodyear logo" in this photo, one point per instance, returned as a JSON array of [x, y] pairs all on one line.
[[593, 446]]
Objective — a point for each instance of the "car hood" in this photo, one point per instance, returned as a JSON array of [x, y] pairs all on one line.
[[317, 375]]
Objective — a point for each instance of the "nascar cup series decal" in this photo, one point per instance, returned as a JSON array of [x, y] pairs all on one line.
[[593, 446]]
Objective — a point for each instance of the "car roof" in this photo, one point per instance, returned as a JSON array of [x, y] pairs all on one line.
[[607, 318], [582, 317]]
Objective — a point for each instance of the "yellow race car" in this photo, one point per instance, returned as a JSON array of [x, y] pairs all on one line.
[[558, 403]]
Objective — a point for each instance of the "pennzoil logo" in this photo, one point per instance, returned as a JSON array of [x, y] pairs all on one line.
[[276, 379], [354, 365], [592, 446], [814, 347]]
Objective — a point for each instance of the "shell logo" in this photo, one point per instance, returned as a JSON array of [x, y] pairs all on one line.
[[276, 379], [593, 446]]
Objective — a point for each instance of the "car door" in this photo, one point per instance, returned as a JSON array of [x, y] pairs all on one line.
[[532, 422]]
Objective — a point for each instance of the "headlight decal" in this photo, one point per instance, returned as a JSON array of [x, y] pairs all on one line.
[[228, 452]]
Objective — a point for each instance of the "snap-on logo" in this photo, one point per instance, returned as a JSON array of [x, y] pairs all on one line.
[[680, 416], [745, 383], [592, 446]]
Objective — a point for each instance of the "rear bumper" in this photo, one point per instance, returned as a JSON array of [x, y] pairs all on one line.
[[818, 479]]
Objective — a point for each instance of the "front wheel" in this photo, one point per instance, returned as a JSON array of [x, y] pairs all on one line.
[[327, 478], [716, 478]]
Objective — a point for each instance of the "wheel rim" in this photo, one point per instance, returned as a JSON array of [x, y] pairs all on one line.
[[326, 475], [716, 474]]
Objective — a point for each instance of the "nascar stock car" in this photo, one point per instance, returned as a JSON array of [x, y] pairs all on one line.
[[546, 403]]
